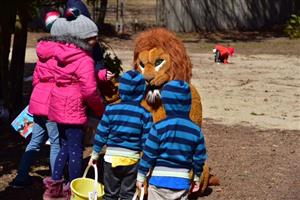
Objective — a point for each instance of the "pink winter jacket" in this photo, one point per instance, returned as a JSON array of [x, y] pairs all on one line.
[[75, 83], [43, 79]]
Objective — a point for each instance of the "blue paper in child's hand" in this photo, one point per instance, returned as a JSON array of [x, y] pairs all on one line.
[[23, 123]]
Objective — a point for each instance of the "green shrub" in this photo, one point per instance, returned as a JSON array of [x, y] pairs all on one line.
[[292, 28]]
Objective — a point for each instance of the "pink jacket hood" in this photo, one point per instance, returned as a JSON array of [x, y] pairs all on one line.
[[75, 80], [65, 50], [43, 79]]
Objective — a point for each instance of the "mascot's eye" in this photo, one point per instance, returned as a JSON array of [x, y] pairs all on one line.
[[158, 62], [142, 65]]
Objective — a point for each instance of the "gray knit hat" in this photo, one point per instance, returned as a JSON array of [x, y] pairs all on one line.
[[59, 27], [82, 27]]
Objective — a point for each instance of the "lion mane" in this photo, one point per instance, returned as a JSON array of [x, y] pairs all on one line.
[[181, 66]]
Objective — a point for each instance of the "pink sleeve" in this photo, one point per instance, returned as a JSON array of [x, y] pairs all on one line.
[[88, 86], [35, 78], [102, 75]]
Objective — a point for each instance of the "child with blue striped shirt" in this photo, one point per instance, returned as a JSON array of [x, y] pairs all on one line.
[[123, 129], [175, 146]]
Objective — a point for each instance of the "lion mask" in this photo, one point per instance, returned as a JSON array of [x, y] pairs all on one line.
[[160, 57]]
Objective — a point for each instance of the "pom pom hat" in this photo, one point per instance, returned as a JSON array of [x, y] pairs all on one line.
[[50, 19], [83, 27], [79, 25], [72, 13], [60, 27], [73, 24]]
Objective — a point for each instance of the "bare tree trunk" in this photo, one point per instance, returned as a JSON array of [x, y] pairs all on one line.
[[161, 13], [18, 59], [101, 17], [7, 21], [296, 7], [117, 17], [5, 38], [94, 9], [120, 16]]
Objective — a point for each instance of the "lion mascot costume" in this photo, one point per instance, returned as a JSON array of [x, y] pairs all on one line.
[[161, 57]]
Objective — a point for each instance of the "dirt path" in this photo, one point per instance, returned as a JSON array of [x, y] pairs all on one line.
[[251, 122], [254, 90], [253, 163]]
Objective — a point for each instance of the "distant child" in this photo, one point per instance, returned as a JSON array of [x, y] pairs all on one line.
[[43, 83], [74, 91], [174, 147], [222, 53], [123, 129]]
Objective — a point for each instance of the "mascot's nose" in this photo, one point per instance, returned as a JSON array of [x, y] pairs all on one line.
[[149, 81], [148, 78]]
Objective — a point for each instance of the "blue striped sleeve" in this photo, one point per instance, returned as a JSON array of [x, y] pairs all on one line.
[[150, 152], [200, 156], [147, 124], [101, 133]]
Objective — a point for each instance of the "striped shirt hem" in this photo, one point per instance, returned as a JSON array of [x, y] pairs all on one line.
[[178, 174], [110, 151]]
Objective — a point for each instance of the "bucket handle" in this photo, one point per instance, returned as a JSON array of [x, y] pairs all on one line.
[[141, 195], [92, 195]]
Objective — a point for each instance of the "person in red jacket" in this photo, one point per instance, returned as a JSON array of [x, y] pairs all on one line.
[[222, 53]]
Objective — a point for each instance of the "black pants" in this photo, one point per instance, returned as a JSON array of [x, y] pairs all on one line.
[[219, 58], [119, 182]]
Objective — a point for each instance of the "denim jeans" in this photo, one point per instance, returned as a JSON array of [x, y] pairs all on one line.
[[41, 127]]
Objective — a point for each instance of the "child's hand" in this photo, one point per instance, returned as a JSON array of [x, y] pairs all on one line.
[[139, 185], [105, 75], [92, 162], [195, 186], [109, 75], [94, 158]]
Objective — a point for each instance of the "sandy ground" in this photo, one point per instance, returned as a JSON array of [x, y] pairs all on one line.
[[253, 90], [251, 124], [251, 112]]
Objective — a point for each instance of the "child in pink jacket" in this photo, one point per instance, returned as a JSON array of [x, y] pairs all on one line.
[[43, 83], [74, 91]]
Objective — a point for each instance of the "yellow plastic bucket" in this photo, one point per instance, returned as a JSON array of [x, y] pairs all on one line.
[[87, 188]]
